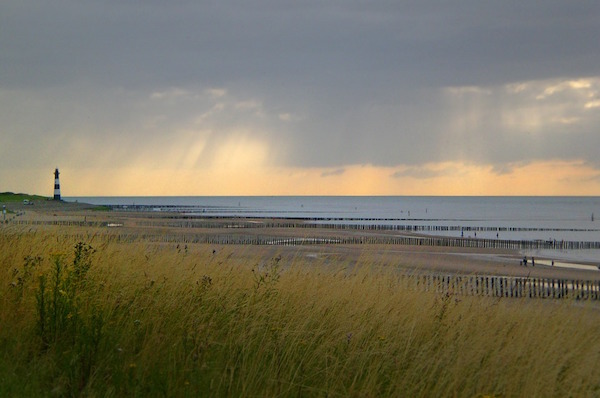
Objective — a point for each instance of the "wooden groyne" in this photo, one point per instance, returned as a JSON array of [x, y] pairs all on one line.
[[503, 286], [62, 223], [426, 241], [269, 239], [251, 239], [352, 224]]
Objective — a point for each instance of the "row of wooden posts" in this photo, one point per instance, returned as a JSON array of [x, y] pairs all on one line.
[[274, 240], [441, 241], [504, 286], [188, 222]]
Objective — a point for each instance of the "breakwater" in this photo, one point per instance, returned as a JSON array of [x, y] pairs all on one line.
[[509, 287], [362, 224], [272, 239]]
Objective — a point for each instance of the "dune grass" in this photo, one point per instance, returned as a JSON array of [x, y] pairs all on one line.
[[143, 319]]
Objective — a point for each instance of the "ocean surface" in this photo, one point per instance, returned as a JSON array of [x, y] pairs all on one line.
[[547, 218]]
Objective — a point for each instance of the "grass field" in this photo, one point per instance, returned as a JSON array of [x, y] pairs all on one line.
[[101, 318]]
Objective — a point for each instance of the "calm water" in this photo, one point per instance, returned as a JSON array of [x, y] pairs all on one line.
[[560, 218]]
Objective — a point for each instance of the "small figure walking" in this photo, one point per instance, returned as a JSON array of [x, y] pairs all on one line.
[[525, 261], [533, 261]]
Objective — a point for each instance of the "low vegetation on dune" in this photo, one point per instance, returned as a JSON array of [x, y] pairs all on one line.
[[102, 318], [7, 197]]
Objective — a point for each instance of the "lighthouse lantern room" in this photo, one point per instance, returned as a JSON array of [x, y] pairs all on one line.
[[56, 185]]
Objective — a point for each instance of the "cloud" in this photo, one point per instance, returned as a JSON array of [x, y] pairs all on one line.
[[569, 85], [335, 44], [400, 86], [514, 122], [428, 171], [420, 173], [171, 94], [286, 117], [216, 92], [336, 172], [592, 104]]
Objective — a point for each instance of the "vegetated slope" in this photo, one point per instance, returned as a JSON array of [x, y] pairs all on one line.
[[17, 197]]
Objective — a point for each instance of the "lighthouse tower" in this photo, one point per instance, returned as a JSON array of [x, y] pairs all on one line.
[[56, 185]]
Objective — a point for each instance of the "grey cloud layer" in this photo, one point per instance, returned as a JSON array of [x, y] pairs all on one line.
[[175, 43], [361, 82]]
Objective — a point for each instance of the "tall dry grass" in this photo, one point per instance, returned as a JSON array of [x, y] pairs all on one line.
[[152, 319]]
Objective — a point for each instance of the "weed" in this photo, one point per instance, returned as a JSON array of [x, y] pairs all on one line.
[[61, 324], [22, 277], [266, 276]]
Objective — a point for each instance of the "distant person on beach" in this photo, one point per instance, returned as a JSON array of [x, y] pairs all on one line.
[[525, 261], [533, 261]]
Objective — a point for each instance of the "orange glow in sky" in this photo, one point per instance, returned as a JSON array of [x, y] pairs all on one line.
[[542, 178]]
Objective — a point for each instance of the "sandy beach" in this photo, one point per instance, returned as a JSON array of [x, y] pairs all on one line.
[[78, 217]]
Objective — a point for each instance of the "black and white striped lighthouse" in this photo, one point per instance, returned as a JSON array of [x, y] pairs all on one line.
[[56, 185]]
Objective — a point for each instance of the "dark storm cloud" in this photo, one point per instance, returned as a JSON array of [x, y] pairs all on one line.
[[332, 43], [353, 82]]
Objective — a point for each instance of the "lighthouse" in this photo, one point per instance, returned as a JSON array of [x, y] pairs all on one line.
[[56, 185]]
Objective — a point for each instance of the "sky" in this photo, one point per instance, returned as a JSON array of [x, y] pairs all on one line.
[[315, 97]]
